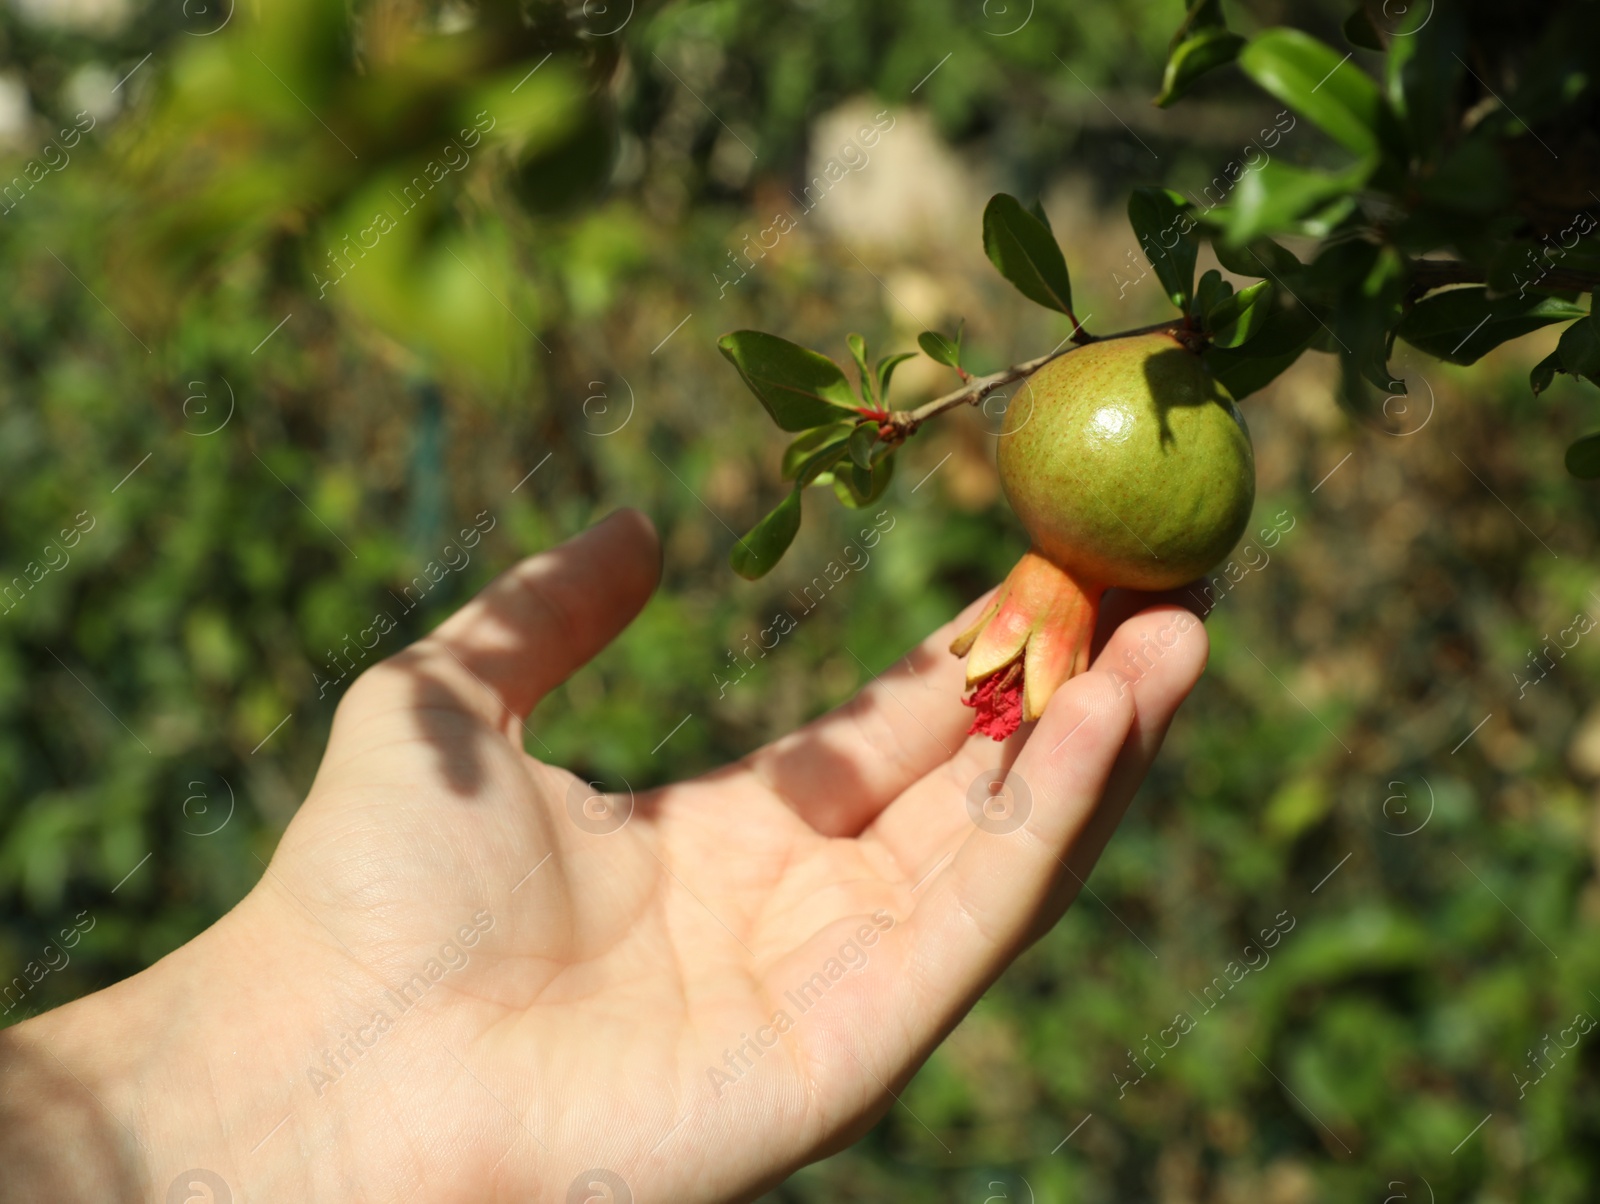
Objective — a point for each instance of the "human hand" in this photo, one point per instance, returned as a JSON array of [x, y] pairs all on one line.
[[465, 977]]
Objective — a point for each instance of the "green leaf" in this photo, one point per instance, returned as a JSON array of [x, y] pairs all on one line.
[[886, 367], [1583, 457], [1037, 209], [1162, 223], [857, 487], [815, 440], [1290, 326], [1471, 178], [1520, 265], [1276, 196], [1193, 57], [1375, 369], [1459, 325], [1200, 14], [799, 388], [1365, 361], [1282, 338], [1243, 374], [1324, 221], [1422, 77], [861, 441], [1579, 348], [755, 554], [1263, 257], [939, 347], [1210, 291], [1238, 318], [820, 461], [1544, 372], [858, 349], [1320, 84], [1025, 252], [1365, 282], [1360, 31]]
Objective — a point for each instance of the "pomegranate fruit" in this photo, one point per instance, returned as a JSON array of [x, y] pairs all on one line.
[[1129, 466]]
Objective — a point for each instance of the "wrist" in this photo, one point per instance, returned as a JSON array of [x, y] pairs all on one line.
[[190, 1065]]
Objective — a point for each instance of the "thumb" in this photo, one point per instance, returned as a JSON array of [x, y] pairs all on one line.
[[540, 621]]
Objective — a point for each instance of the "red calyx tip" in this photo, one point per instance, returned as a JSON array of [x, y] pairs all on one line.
[[998, 703]]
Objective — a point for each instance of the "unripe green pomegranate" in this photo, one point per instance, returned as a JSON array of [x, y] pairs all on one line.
[[1129, 466]]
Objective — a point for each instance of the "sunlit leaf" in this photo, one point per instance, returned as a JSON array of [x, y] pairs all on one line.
[[798, 452], [886, 367], [1238, 318], [1318, 83], [1282, 338], [1276, 196], [1193, 57], [1460, 325], [938, 347], [858, 350], [1025, 252], [799, 388]]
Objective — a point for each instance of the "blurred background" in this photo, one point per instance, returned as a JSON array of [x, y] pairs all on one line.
[[297, 293]]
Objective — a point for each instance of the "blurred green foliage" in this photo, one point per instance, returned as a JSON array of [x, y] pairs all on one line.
[[255, 471]]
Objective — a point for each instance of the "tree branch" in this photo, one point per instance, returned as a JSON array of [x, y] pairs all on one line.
[[1429, 274], [906, 422]]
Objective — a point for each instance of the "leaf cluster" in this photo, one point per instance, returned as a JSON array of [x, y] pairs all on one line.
[[840, 430], [1438, 211], [1442, 209]]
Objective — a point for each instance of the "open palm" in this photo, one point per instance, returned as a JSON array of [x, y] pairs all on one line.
[[489, 982]]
